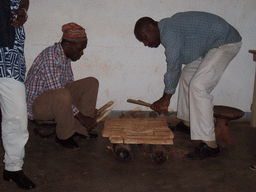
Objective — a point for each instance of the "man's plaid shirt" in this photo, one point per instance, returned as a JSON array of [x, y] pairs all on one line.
[[51, 70]]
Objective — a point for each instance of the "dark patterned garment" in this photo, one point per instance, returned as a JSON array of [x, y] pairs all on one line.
[[7, 31], [12, 61]]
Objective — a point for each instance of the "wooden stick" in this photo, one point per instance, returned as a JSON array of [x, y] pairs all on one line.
[[139, 102], [103, 115], [105, 107]]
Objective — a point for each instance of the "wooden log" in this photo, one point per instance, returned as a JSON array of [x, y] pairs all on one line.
[[159, 154], [122, 152]]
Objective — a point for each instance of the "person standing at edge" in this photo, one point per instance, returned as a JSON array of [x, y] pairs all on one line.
[[206, 44], [13, 14], [52, 92]]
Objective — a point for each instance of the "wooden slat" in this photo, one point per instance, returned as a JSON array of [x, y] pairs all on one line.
[[164, 133], [149, 141], [159, 137], [116, 140]]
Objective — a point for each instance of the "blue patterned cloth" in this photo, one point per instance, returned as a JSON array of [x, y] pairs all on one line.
[[12, 61], [188, 36]]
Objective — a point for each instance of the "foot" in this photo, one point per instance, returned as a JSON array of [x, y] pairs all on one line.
[[203, 151], [19, 178], [88, 136], [181, 127], [68, 143]]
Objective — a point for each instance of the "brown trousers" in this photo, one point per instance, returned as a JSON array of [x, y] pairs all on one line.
[[57, 104]]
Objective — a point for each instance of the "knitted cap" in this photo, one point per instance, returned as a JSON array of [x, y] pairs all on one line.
[[73, 32]]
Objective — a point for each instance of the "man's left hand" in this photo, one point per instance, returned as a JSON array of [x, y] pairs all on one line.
[[21, 18]]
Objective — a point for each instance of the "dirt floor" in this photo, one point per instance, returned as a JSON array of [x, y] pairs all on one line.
[[94, 168]]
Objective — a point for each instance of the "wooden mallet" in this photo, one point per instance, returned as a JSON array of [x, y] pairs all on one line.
[[107, 105], [101, 117], [139, 102]]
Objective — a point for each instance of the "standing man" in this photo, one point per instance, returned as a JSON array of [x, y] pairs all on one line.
[[52, 92], [206, 44], [13, 14]]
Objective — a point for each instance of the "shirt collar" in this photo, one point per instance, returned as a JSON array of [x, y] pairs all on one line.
[[63, 56]]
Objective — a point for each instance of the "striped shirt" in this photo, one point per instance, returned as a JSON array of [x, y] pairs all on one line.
[[51, 70], [188, 36], [12, 61]]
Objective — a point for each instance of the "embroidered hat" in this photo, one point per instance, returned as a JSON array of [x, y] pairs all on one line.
[[73, 32]]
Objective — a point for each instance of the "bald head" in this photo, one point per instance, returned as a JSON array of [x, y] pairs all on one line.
[[143, 23], [146, 30]]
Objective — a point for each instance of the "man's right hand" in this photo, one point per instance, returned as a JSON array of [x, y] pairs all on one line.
[[161, 105], [88, 122]]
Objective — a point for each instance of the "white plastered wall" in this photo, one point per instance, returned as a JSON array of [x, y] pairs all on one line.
[[123, 66]]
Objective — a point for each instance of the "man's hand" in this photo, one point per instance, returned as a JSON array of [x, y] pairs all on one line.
[[21, 18], [88, 122], [161, 105]]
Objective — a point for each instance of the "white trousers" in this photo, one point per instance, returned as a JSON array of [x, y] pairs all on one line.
[[14, 122], [198, 79]]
